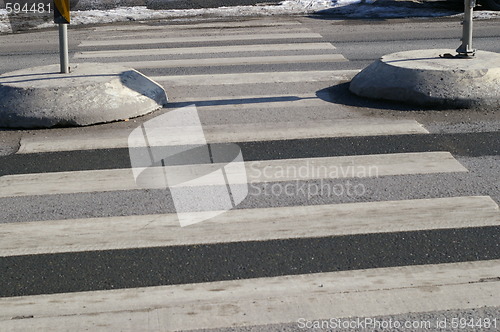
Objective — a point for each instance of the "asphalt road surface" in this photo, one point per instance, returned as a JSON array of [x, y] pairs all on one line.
[[355, 208]]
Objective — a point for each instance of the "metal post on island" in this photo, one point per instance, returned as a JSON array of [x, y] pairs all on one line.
[[466, 50], [62, 18]]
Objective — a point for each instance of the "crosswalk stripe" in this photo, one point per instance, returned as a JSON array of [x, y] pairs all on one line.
[[194, 26], [166, 34], [260, 301], [227, 103], [260, 224], [244, 103], [205, 50], [256, 172], [118, 138], [145, 41], [281, 131], [233, 24], [256, 78], [233, 61]]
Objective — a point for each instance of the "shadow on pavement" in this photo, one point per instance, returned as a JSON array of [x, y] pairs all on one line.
[[387, 9], [340, 94]]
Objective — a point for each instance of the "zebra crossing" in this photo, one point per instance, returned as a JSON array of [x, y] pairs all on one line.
[[259, 224], [140, 271], [257, 171]]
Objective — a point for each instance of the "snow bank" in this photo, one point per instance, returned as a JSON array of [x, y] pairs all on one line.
[[344, 8]]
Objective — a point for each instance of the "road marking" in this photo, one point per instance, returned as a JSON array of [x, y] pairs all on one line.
[[286, 299], [231, 103], [233, 24], [256, 78], [175, 33], [256, 172], [262, 224], [144, 41], [205, 50], [52, 141], [233, 61], [282, 131], [244, 103], [193, 26]]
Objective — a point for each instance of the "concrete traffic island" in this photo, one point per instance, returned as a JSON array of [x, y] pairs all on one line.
[[424, 78], [92, 93]]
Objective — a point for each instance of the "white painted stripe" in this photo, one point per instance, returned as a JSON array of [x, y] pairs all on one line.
[[256, 172], [241, 103], [193, 26], [144, 41], [233, 61], [251, 102], [51, 141], [204, 50], [263, 224], [256, 78], [360, 293], [236, 24], [248, 100], [166, 34], [284, 131]]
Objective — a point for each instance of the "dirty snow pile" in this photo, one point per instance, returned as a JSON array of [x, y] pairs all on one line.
[[344, 8]]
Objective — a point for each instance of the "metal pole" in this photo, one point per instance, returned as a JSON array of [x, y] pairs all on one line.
[[466, 48], [63, 48]]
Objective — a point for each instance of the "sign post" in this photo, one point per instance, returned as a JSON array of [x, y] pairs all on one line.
[[62, 18], [466, 50]]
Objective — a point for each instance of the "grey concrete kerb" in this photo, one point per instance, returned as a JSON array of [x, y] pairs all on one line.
[[92, 93], [422, 77]]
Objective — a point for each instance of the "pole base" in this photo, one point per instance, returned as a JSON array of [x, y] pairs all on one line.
[[424, 78], [93, 93], [465, 52]]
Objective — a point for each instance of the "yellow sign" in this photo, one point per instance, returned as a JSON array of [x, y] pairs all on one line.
[[61, 11]]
